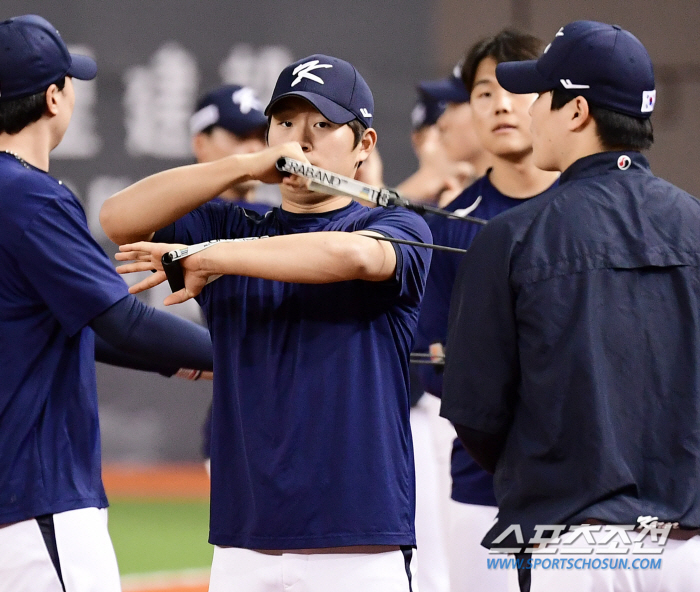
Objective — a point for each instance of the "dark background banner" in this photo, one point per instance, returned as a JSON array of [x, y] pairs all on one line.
[[156, 56]]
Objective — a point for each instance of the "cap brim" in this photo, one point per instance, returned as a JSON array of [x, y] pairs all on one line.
[[450, 90], [522, 78], [330, 110], [82, 67]]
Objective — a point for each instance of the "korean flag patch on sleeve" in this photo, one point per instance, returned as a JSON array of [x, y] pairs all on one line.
[[648, 101]]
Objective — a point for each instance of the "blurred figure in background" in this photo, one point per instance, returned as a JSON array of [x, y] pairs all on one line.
[[449, 154], [229, 120], [501, 122]]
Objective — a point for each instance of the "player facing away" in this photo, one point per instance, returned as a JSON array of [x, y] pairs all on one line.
[[575, 334], [59, 290], [502, 125], [312, 464]]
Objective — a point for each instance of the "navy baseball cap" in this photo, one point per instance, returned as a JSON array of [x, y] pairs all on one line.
[[33, 56], [448, 90], [331, 85], [232, 107], [605, 64], [426, 111]]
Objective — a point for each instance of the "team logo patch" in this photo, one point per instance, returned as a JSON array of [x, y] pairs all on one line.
[[365, 113], [624, 162], [246, 100], [304, 71], [567, 84], [648, 101]]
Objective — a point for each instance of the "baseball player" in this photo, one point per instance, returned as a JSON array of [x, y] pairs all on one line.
[[312, 466], [449, 154], [58, 291], [575, 333], [502, 125], [229, 120]]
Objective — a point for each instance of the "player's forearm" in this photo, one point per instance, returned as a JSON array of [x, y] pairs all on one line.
[[312, 258], [136, 212]]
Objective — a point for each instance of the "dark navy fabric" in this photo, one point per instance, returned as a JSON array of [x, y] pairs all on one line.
[[575, 330], [56, 279], [470, 483], [137, 336], [311, 445], [259, 208]]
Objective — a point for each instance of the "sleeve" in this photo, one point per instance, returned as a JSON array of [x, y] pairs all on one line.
[[482, 369], [159, 339], [66, 266], [432, 324], [108, 354], [412, 262]]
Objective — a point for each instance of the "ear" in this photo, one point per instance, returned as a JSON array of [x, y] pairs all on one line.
[[579, 113], [199, 147], [366, 145], [52, 100]]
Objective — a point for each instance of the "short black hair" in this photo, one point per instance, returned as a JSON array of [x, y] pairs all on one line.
[[16, 114], [616, 131], [509, 45], [358, 129]]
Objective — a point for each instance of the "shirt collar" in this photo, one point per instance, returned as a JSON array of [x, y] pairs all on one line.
[[605, 162]]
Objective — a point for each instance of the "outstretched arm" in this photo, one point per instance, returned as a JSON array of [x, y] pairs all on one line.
[[163, 342], [136, 212], [309, 258]]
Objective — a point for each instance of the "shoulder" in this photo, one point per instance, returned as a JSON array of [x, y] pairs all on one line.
[[400, 219], [24, 193]]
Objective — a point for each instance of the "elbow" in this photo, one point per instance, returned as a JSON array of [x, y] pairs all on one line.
[[108, 221], [113, 225], [364, 261]]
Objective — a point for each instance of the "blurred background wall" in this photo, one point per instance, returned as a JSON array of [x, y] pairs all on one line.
[[156, 56]]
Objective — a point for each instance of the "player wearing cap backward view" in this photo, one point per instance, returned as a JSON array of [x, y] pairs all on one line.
[[59, 294], [575, 334], [312, 465]]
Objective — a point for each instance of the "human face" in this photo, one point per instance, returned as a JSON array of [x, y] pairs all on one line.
[[501, 118], [548, 129], [325, 144], [457, 133]]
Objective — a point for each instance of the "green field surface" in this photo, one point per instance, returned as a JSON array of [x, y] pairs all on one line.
[[157, 535]]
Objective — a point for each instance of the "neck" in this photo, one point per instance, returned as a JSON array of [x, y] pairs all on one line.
[[520, 179], [481, 163], [325, 203], [575, 155], [32, 144]]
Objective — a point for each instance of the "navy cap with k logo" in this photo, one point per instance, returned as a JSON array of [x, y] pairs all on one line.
[[33, 56], [605, 64], [232, 107], [331, 85]]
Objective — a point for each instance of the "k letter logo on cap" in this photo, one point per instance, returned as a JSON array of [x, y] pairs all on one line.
[[304, 71]]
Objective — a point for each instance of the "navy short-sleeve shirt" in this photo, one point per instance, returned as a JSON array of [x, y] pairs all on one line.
[[55, 280], [470, 483], [311, 445], [575, 332]]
